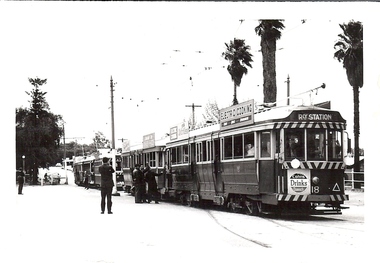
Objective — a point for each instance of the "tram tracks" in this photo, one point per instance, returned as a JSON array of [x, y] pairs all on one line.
[[257, 242], [268, 232]]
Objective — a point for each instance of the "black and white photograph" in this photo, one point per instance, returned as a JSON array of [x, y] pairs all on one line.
[[177, 131]]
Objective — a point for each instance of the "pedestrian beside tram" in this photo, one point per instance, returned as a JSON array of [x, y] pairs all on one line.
[[85, 180], [20, 179], [107, 184], [139, 182], [152, 194]]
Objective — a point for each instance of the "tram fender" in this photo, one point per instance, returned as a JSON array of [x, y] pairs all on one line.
[[254, 197], [270, 199]]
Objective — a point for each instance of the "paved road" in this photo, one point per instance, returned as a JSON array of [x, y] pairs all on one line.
[[62, 223]]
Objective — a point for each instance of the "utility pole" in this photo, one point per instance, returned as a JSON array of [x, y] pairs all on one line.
[[112, 115], [64, 154], [193, 109], [113, 150], [288, 89]]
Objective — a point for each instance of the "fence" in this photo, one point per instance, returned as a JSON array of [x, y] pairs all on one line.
[[353, 178]]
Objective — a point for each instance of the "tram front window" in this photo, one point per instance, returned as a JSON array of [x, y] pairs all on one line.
[[334, 144], [295, 144], [316, 149], [265, 144]]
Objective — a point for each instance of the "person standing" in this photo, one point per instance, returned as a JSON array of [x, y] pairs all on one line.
[[150, 178], [85, 180], [139, 182], [20, 179], [107, 184]]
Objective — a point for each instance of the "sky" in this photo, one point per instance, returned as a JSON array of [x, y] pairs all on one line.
[[151, 50]]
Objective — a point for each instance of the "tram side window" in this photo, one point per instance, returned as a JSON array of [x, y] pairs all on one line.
[[228, 148], [265, 144], [238, 146], [294, 144], [160, 160], [316, 149], [204, 151], [185, 153], [335, 145], [179, 154], [249, 141], [198, 152], [210, 150], [174, 155], [152, 159]]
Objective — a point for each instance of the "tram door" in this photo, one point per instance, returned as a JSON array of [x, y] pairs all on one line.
[[217, 167], [267, 170], [193, 166]]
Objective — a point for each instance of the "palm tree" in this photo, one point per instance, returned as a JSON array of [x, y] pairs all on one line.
[[237, 53], [269, 31], [350, 53]]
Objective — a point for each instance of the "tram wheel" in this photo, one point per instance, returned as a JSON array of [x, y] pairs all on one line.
[[253, 208], [232, 206]]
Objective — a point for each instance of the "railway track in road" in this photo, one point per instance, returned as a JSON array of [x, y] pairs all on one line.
[[257, 242], [269, 231]]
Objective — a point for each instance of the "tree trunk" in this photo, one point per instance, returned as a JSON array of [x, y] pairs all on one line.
[[268, 48], [357, 185], [235, 101]]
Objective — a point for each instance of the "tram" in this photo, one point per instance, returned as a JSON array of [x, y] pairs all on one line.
[[84, 166], [286, 159], [89, 166], [152, 152]]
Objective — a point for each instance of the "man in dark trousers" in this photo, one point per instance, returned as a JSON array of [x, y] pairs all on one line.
[[152, 184], [139, 182], [20, 179], [107, 184]]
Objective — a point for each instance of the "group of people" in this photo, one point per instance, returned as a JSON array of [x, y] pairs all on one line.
[[141, 178], [145, 184]]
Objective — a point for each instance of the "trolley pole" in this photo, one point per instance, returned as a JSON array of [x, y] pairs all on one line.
[[113, 150]]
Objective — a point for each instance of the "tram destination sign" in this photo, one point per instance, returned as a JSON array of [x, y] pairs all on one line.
[[237, 115], [316, 116]]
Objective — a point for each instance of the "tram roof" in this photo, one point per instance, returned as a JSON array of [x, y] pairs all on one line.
[[284, 113]]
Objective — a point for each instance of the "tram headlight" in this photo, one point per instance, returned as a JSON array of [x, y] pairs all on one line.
[[295, 163], [315, 180]]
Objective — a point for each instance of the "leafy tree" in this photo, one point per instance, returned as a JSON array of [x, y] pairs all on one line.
[[37, 131], [211, 113], [349, 51], [238, 55], [269, 31], [100, 140]]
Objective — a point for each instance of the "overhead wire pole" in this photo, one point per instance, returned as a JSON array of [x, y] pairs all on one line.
[[112, 115], [193, 109], [288, 90], [113, 150]]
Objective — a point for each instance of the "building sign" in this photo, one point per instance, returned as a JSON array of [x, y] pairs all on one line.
[[149, 141], [237, 115], [298, 182], [178, 131]]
